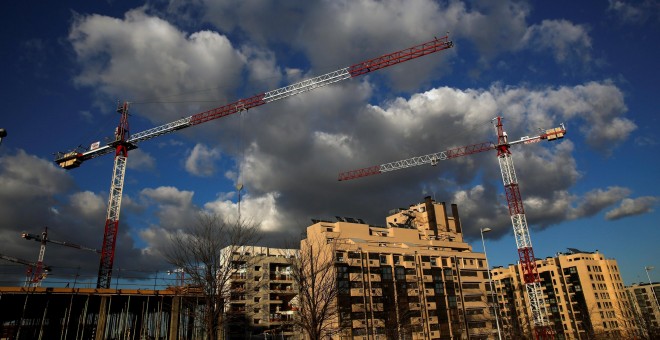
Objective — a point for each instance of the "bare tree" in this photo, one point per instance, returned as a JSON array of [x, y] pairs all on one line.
[[315, 274], [210, 253]]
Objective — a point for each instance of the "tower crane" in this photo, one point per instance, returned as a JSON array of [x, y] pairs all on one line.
[[123, 142], [31, 274], [43, 239], [542, 328]]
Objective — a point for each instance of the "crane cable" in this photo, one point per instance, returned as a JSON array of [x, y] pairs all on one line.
[[241, 159]]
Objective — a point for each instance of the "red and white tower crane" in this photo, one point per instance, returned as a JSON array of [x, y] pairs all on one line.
[[38, 272], [124, 142], [542, 327]]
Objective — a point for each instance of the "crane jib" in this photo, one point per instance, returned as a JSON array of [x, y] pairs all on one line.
[[400, 56], [74, 159]]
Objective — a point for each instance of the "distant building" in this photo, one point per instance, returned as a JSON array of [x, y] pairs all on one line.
[[584, 296], [414, 278], [646, 308], [262, 295]]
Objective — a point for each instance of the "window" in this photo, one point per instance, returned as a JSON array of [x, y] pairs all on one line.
[[400, 273], [386, 273], [343, 287]]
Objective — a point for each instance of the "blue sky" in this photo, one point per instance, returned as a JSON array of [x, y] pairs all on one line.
[[590, 64]]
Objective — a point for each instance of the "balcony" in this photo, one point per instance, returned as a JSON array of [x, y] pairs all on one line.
[[357, 291], [411, 278], [358, 323], [280, 277], [413, 292], [408, 264], [358, 308], [374, 277], [239, 277]]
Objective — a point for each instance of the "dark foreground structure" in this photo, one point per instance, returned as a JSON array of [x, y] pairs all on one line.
[[86, 313]]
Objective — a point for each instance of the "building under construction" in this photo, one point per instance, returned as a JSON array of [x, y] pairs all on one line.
[[85, 313]]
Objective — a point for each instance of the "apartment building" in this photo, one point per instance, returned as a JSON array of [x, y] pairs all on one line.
[[646, 308], [415, 278], [583, 292], [262, 295]]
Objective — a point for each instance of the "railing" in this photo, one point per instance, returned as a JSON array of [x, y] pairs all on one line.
[[73, 277]]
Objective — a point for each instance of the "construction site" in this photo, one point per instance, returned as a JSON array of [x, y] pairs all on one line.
[[416, 277]]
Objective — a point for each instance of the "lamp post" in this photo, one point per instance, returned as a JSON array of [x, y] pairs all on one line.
[[490, 282], [655, 298]]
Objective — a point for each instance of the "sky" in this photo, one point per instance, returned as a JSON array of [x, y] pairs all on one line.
[[591, 65]]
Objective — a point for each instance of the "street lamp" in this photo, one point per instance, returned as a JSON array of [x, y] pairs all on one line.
[[490, 282], [3, 134], [655, 298]]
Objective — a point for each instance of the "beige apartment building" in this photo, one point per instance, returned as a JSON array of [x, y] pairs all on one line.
[[262, 295], [646, 308], [584, 294], [415, 278]]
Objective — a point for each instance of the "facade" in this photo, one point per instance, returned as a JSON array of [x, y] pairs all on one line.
[[584, 295], [646, 308], [262, 295], [414, 278]]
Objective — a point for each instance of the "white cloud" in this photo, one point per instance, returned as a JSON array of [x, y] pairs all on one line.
[[140, 160], [635, 13], [262, 210], [632, 207], [562, 38], [174, 208], [143, 57], [88, 204], [201, 161]]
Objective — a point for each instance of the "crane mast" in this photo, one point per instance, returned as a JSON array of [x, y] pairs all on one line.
[[124, 142], [532, 280]]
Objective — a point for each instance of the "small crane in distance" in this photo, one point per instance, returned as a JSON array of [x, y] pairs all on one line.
[[531, 278], [43, 239], [30, 277]]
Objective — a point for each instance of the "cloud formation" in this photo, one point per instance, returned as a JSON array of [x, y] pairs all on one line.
[[201, 161], [632, 207]]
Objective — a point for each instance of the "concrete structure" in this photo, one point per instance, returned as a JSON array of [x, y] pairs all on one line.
[[85, 313], [415, 278], [583, 292], [646, 308], [262, 295]]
